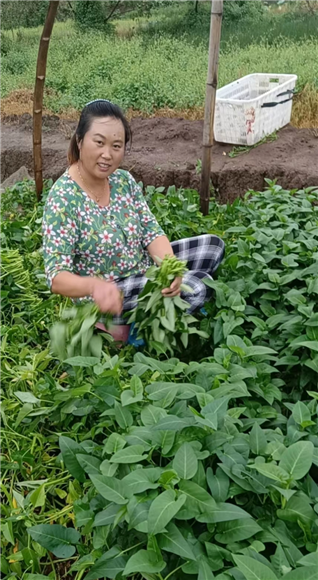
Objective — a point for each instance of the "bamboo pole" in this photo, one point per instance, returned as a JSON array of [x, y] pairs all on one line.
[[38, 95], [211, 86]]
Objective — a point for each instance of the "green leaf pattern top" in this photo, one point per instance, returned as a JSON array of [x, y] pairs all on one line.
[[81, 237]]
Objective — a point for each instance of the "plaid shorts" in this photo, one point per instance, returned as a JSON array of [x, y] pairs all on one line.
[[203, 255]]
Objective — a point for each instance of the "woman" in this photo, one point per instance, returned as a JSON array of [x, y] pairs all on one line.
[[99, 234]]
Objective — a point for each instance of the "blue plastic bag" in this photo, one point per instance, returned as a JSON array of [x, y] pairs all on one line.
[[132, 338]]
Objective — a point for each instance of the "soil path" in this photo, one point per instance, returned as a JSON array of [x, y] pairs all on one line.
[[165, 152]]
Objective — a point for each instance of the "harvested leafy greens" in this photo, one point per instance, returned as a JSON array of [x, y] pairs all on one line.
[[163, 323]]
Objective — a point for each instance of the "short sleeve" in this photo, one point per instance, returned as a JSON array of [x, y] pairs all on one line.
[[150, 227], [60, 234]]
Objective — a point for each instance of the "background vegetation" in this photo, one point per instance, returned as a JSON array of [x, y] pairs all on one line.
[[153, 55], [202, 467]]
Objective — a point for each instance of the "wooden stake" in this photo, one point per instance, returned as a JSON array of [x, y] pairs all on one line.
[[38, 95], [211, 86]]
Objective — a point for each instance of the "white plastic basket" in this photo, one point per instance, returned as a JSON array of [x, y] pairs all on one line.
[[252, 107]]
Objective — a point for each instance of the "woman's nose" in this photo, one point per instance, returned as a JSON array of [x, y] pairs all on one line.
[[106, 154]]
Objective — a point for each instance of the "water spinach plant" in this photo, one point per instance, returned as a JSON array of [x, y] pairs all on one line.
[[164, 323], [201, 465]]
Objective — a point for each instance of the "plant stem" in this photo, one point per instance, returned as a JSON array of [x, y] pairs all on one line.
[[176, 570]]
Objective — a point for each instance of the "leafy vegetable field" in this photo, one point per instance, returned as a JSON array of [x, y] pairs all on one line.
[[193, 464]]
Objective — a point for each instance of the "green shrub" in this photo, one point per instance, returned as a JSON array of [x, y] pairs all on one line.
[[6, 44], [23, 14], [91, 16], [145, 73], [242, 10], [17, 64]]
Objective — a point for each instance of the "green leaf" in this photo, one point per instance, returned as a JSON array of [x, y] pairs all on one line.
[[138, 510], [162, 510], [223, 512], [218, 407], [168, 477], [56, 538], [258, 351], [144, 561], [150, 415], [82, 361], [106, 568], [309, 560], [218, 484], [297, 459], [172, 423], [37, 497], [279, 561], [185, 462], [297, 509], [301, 413], [69, 449], [305, 573], [107, 468], [140, 480], [89, 463], [258, 440], [7, 532], [312, 364], [127, 398], [253, 569], [132, 454], [236, 344], [25, 397], [107, 516], [173, 541], [159, 390], [123, 416], [205, 572], [210, 420], [138, 435], [110, 488], [271, 470], [312, 344], [200, 496], [114, 443], [83, 514], [236, 530], [134, 394]]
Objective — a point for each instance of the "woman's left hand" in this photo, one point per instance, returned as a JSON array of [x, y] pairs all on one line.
[[174, 289]]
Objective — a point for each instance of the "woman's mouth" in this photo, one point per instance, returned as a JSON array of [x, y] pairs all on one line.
[[104, 166]]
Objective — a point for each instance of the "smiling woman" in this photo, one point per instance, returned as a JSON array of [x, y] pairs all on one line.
[[99, 234]]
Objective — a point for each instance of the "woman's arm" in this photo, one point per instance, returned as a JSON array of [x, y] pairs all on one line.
[[72, 285], [105, 294], [160, 248]]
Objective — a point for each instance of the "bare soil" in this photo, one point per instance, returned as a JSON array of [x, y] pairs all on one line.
[[165, 152]]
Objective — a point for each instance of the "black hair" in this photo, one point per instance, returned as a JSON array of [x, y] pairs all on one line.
[[93, 109]]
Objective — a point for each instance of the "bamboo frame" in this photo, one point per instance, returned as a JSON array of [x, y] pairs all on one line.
[[38, 95], [211, 87]]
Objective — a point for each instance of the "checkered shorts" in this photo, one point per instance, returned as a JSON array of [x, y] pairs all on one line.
[[203, 255]]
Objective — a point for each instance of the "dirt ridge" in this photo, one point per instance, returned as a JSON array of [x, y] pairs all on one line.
[[165, 151]]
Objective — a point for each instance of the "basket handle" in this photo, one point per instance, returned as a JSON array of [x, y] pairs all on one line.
[[273, 104]]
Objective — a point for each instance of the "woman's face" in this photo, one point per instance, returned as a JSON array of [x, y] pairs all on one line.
[[103, 147]]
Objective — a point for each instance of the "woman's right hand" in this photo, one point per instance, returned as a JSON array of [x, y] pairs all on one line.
[[107, 296]]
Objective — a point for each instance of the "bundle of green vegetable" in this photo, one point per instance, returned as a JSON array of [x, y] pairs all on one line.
[[16, 286], [162, 322], [74, 334]]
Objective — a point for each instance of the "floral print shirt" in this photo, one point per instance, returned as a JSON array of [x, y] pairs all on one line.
[[81, 237]]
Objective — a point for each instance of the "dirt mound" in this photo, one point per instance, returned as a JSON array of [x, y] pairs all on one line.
[[165, 151]]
